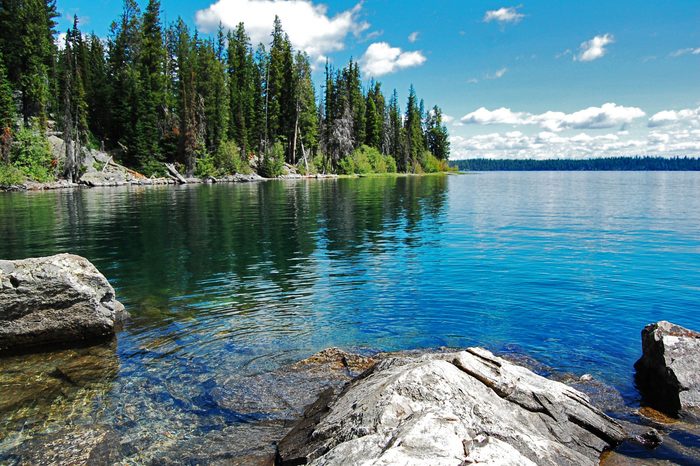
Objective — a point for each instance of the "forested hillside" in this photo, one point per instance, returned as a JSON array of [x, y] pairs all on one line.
[[153, 92]]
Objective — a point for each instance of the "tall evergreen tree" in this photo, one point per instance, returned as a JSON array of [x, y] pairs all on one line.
[[7, 113], [241, 74], [26, 40], [415, 141], [150, 112], [125, 95], [73, 105], [190, 106], [436, 135]]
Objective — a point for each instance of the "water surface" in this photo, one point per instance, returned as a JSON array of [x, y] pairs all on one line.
[[231, 280]]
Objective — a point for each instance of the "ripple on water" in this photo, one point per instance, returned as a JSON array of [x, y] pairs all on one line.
[[230, 281]]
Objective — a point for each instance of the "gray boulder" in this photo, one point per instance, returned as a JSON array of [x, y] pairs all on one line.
[[61, 300], [451, 409], [668, 373]]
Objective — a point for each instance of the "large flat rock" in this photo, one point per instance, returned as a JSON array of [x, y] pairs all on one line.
[[668, 373], [451, 409], [61, 300]]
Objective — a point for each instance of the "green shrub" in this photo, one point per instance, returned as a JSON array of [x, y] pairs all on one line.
[[31, 153], [10, 175], [301, 167], [153, 168], [206, 167], [432, 164], [321, 164], [390, 164], [272, 164], [365, 160], [229, 160]]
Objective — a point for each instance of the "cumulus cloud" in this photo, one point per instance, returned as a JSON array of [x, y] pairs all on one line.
[[499, 116], [595, 48], [381, 58], [504, 15], [608, 115], [548, 145], [687, 51], [670, 117], [308, 25], [413, 37]]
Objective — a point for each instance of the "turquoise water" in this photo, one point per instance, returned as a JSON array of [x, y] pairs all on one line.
[[240, 279]]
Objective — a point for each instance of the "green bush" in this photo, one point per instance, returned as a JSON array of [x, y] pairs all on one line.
[[229, 160], [31, 153], [301, 167], [206, 167], [432, 164], [390, 164], [10, 175], [272, 164], [153, 168], [365, 160]]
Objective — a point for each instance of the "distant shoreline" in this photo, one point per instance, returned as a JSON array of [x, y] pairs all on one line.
[[601, 164]]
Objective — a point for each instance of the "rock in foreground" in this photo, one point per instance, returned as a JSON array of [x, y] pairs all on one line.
[[451, 409], [668, 373], [61, 300]]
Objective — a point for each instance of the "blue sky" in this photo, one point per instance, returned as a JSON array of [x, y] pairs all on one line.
[[528, 79]]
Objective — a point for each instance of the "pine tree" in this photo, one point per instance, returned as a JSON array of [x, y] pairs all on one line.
[[415, 141], [190, 107], [125, 95], [211, 88], [73, 105], [241, 74], [306, 122], [150, 111], [436, 135], [393, 133], [26, 40], [97, 88], [280, 88], [374, 120], [7, 113]]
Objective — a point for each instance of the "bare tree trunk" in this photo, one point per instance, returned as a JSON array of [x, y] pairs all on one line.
[[296, 130]]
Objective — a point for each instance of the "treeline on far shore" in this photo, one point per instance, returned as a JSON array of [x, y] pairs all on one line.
[[600, 164]]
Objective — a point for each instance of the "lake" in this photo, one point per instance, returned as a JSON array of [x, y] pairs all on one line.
[[565, 267]]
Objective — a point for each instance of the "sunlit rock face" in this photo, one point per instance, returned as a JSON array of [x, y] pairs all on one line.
[[454, 408], [56, 301], [668, 373]]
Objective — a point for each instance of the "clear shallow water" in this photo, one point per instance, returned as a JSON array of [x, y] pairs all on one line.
[[227, 280]]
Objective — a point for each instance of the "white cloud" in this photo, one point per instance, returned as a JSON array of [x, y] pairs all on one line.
[[687, 51], [447, 119], [681, 138], [381, 58], [548, 145], [608, 115], [595, 48], [61, 41], [670, 117], [504, 15], [497, 75], [308, 25], [500, 116], [413, 37]]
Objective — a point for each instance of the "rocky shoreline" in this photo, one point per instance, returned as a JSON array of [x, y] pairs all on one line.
[[451, 407]]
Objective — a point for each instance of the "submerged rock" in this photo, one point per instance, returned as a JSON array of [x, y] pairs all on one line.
[[668, 373], [61, 300], [451, 409]]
